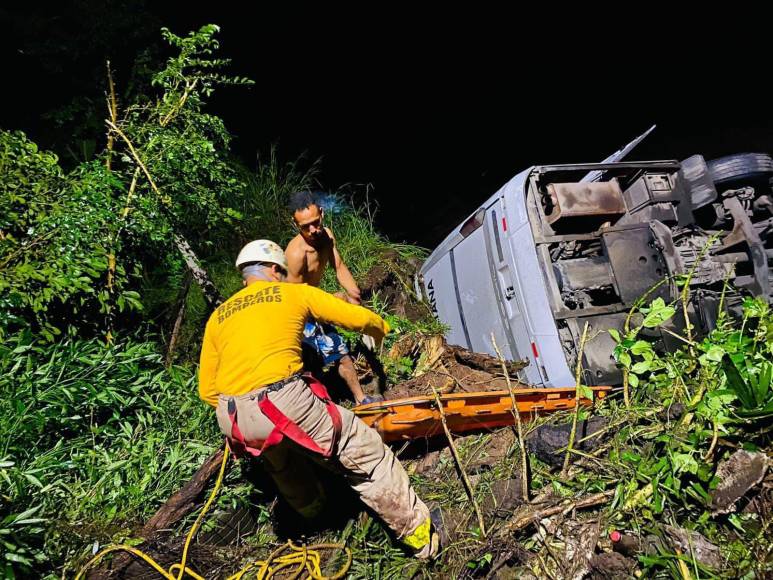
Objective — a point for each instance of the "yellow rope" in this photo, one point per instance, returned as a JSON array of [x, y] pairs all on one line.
[[303, 558]]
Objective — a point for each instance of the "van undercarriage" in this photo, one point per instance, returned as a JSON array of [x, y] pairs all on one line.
[[643, 232]]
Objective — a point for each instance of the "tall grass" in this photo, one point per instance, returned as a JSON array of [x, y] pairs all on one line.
[[92, 440], [360, 244]]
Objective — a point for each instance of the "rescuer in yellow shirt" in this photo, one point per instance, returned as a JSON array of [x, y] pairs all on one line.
[[250, 372]]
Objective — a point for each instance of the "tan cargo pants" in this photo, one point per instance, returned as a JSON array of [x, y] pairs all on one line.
[[368, 465]]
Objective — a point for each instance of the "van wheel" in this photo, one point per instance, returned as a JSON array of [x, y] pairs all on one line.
[[740, 170]]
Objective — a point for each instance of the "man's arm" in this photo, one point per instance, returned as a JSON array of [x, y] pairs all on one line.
[[296, 264], [327, 308], [345, 278], [208, 363]]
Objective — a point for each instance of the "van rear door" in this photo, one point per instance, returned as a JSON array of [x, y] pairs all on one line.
[[509, 296], [477, 290]]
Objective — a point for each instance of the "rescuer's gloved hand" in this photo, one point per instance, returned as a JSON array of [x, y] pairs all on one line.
[[369, 342]]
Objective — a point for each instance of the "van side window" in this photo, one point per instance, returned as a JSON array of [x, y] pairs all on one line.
[[494, 227]]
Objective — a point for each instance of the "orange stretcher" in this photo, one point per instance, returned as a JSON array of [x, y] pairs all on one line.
[[417, 417]]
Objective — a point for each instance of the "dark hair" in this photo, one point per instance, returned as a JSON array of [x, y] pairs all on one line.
[[303, 199]]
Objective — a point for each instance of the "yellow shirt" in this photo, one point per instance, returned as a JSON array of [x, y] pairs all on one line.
[[254, 337]]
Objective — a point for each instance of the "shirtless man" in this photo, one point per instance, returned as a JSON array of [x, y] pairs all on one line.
[[308, 254]]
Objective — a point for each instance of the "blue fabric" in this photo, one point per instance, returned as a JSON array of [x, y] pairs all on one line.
[[328, 344], [372, 399]]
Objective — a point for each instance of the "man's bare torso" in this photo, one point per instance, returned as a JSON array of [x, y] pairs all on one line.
[[313, 261]]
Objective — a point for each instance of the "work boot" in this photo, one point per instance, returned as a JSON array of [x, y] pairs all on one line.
[[438, 537], [439, 528]]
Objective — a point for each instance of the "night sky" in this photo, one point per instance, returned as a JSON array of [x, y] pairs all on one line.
[[434, 111]]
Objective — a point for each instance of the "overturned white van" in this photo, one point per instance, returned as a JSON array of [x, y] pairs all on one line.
[[561, 245]]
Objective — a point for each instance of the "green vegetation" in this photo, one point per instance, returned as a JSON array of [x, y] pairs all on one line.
[[690, 409], [99, 416], [93, 438], [96, 431]]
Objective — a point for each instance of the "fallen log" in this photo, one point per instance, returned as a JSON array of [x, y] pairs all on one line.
[[529, 514], [483, 362]]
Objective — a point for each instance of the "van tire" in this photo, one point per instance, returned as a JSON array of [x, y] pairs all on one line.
[[741, 169]]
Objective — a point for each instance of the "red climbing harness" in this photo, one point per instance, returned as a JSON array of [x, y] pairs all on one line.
[[283, 426]]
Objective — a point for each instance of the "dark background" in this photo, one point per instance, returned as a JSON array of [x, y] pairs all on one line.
[[434, 111]]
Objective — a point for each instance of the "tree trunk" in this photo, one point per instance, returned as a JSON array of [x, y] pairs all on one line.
[[178, 322], [200, 276]]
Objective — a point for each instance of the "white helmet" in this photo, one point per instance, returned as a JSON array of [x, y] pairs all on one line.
[[261, 251]]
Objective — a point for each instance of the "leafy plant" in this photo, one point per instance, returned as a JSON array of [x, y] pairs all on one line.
[[718, 388], [90, 436]]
